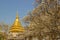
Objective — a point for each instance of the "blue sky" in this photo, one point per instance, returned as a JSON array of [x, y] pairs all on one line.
[[8, 9]]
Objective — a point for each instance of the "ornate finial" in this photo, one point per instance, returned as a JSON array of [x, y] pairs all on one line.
[[17, 14]]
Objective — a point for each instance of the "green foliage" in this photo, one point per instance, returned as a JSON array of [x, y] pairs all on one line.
[[2, 37]]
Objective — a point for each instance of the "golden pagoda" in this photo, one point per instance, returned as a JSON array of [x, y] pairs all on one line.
[[16, 27]]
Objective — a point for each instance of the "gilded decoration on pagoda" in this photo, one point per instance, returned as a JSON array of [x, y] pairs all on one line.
[[17, 27]]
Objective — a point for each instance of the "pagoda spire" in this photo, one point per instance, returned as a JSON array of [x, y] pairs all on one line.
[[17, 27], [17, 15]]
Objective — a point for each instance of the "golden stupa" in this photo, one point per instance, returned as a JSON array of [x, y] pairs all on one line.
[[16, 27]]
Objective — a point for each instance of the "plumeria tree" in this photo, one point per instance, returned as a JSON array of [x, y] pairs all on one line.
[[45, 19]]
